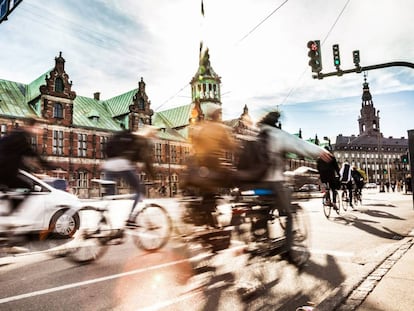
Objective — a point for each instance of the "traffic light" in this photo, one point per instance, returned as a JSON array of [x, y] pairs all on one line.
[[404, 158], [355, 56], [336, 56], [315, 55]]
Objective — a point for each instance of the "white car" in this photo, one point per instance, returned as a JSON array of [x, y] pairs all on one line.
[[45, 209]]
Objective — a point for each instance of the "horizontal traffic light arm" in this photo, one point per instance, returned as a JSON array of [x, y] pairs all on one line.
[[360, 69]]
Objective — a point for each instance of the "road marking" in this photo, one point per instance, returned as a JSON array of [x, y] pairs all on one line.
[[332, 252], [93, 281]]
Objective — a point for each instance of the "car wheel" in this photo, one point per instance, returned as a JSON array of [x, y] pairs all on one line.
[[64, 225]]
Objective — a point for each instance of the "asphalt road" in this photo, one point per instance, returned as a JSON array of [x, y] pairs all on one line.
[[127, 278]]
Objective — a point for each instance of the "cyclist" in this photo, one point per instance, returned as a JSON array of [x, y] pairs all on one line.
[[15, 148], [329, 175], [123, 150], [346, 179], [208, 171], [358, 180], [280, 143]]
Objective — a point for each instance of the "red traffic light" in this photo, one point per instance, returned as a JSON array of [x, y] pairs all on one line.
[[312, 46]]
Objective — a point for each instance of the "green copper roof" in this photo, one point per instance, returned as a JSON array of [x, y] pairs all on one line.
[[32, 89], [12, 100], [119, 105], [174, 117], [89, 112]]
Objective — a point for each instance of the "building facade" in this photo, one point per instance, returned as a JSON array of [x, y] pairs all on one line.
[[382, 158]]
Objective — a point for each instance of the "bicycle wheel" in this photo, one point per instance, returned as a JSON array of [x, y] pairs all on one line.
[[345, 200], [152, 227], [357, 199], [299, 252], [326, 202], [90, 243]]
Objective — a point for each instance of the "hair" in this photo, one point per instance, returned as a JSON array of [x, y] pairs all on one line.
[[31, 121], [271, 118]]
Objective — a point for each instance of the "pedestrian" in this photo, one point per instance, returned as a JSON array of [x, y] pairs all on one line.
[[123, 151], [329, 175]]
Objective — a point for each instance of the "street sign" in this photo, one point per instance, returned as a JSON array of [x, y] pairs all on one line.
[[6, 7]]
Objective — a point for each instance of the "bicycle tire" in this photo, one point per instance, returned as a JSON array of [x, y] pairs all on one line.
[[153, 227], [326, 205], [88, 247], [299, 251], [345, 200], [357, 199]]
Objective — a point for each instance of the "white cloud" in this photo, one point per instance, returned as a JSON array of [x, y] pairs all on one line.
[[110, 45]]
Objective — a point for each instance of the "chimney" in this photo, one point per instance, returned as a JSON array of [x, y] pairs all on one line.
[[96, 95]]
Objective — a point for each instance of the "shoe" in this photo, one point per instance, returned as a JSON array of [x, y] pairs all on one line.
[[335, 206]]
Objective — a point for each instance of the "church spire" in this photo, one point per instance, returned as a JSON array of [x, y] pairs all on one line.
[[205, 85], [369, 118]]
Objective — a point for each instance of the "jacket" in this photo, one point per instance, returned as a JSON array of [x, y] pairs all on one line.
[[280, 143]]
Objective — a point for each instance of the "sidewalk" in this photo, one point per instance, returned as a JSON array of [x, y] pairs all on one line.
[[395, 290], [387, 286]]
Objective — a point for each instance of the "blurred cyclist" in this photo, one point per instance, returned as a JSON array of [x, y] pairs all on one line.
[[280, 143], [15, 151], [124, 150]]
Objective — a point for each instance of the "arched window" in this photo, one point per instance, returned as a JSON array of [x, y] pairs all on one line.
[[141, 104], [59, 85], [58, 111]]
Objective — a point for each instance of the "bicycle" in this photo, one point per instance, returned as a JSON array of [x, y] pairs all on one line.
[[327, 203], [357, 197], [150, 231], [345, 197]]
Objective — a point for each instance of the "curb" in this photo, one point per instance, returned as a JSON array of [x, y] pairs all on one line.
[[352, 292]]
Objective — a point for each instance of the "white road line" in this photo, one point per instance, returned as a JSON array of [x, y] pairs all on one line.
[[79, 284]]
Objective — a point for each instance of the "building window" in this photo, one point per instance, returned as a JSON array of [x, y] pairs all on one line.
[[103, 142], [82, 179], [82, 145], [57, 146], [141, 104], [158, 153], [173, 151], [58, 111], [59, 85], [3, 130]]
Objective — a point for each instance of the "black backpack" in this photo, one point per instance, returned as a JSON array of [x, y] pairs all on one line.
[[254, 159], [124, 144]]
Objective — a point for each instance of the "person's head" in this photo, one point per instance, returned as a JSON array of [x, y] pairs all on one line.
[[213, 112], [271, 118], [32, 126]]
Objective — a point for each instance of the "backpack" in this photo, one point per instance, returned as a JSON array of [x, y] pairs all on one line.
[[254, 159], [135, 148]]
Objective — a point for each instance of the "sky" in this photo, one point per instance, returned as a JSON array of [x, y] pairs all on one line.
[[257, 47]]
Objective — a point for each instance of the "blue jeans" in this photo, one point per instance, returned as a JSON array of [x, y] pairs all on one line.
[[131, 178]]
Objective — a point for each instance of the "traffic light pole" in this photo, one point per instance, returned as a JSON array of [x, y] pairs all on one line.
[[359, 69]]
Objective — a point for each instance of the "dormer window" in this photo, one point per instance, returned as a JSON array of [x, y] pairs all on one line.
[[58, 111], [59, 85]]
